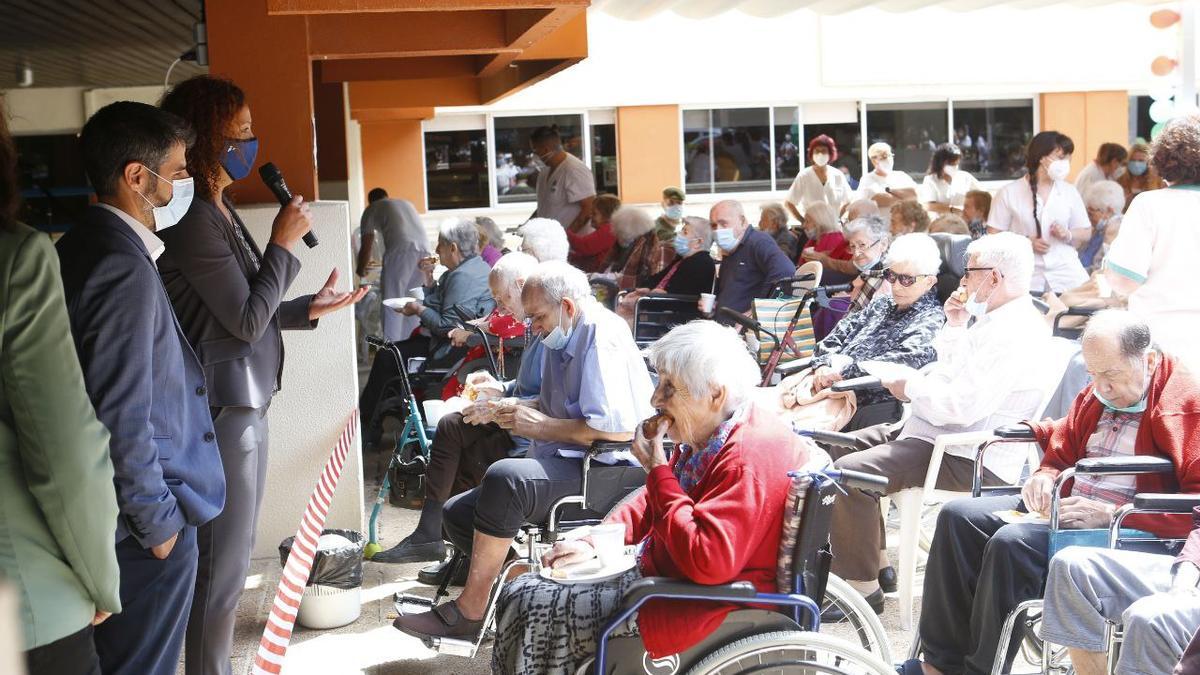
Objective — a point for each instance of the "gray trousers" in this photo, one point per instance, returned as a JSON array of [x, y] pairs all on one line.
[[1089, 587], [225, 542]]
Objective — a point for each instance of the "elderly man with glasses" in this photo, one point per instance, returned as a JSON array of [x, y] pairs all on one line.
[[982, 379]]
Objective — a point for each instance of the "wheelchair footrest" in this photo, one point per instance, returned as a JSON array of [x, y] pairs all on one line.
[[452, 646]]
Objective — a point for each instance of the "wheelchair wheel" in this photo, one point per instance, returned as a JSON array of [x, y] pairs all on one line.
[[862, 625], [792, 652]]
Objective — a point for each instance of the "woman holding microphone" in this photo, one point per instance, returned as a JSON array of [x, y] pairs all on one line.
[[228, 295]]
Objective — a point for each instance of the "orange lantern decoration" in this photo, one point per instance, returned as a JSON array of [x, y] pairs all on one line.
[[1163, 65], [1164, 18]]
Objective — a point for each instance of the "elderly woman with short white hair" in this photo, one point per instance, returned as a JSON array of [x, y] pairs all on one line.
[[544, 239], [896, 328], [1104, 201], [711, 513]]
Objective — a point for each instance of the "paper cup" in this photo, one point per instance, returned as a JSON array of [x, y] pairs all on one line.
[[434, 411], [707, 302], [417, 292], [609, 541]]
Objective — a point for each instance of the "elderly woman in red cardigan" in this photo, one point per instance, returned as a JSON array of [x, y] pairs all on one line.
[[712, 514], [1140, 402]]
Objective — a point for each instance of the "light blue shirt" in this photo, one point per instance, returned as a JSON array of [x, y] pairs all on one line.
[[598, 377], [527, 385]]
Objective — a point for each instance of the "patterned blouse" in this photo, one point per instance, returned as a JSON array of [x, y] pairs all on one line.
[[883, 332]]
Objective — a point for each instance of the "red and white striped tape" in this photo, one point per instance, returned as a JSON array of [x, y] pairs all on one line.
[[278, 631]]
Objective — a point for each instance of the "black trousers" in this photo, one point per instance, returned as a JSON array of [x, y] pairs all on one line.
[[74, 654], [979, 569], [383, 369], [460, 455]]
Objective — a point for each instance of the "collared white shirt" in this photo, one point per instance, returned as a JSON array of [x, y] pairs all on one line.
[[952, 194], [1012, 210], [154, 245], [985, 377], [807, 188], [873, 184]]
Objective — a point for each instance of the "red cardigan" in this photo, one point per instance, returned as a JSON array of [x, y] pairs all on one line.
[[726, 529], [1170, 427], [589, 252]]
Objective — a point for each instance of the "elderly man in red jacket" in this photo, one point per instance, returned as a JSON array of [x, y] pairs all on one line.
[[1140, 403]]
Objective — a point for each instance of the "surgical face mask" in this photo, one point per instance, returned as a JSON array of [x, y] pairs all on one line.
[[557, 338], [1138, 407], [537, 163], [726, 239], [683, 245], [820, 158], [885, 165], [866, 266], [1058, 169], [977, 308], [1118, 173], [239, 157], [674, 211], [1137, 167], [950, 170], [181, 199]]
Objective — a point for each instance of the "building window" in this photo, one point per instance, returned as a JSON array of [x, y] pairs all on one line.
[[789, 156], [456, 172], [516, 173], [992, 136], [604, 150], [54, 190], [727, 150], [912, 129], [841, 122]]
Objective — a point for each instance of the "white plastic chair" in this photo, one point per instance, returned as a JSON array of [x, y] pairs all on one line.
[[911, 503]]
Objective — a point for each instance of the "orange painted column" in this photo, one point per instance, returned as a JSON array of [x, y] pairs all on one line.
[[393, 159], [1089, 118], [649, 152], [268, 58]]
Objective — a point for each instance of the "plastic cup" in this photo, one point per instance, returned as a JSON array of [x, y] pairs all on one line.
[[707, 302], [417, 292], [609, 542]]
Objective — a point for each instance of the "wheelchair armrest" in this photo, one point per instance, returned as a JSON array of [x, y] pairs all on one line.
[[1166, 503], [793, 367], [376, 341], [666, 587], [1097, 466], [834, 438], [857, 384], [602, 447], [1016, 432]]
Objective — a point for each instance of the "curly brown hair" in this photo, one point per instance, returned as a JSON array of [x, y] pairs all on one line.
[[209, 104], [913, 215], [1176, 152], [10, 194]]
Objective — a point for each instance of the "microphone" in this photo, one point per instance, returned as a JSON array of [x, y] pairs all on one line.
[[274, 179]]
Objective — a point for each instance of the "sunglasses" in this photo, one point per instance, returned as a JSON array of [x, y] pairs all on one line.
[[904, 280]]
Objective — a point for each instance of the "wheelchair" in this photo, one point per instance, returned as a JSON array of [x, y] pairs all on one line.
[[1020, 631], [655, 315]]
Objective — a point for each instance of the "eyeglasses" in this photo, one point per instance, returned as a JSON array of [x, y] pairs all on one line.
[[855, 248], [968, 270], [904, 280]]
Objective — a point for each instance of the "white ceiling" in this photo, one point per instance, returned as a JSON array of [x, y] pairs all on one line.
[[702, 9]]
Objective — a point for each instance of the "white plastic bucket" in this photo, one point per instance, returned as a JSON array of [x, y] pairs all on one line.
[[324, 607]]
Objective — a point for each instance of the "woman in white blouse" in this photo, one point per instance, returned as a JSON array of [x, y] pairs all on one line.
[[946, 186], [819, 182], [1048, 210]]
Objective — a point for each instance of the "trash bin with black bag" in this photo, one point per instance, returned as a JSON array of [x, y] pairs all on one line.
[[333, 594]]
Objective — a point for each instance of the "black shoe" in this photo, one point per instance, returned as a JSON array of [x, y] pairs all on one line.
[[408, 551], [834, 614], [887, 579], [433, 575]]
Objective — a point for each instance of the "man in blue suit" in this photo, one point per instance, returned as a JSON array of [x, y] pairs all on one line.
[[144, 380]]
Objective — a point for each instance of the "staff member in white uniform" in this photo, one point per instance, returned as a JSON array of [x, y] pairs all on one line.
[[404, 245], [884, 185], [1108, 165], [566, 188], [1154, 257], [945, 187], [1048, 210], [818, 182]]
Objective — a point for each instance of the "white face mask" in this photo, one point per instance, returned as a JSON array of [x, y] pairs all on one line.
[[885, 165], [820, 159], [1058, 169], [950, 170], [173, 211], [1118, 173]]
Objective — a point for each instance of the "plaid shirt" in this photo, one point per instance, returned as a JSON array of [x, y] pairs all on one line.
[[1114, 436], [649, 256], [866, 291]]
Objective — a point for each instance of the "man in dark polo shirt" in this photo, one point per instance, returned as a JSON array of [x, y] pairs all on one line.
[[751, 261]]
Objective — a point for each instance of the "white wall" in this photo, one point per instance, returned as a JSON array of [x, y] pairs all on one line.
[[63, 110], [320, 388]]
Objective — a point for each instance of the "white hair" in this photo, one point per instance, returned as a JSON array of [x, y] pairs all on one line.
[[544, 239], [557, 280], [860, 208], [821, 218], [511, 267], [878, 148], [462, 233], [629, 223], [917, 249], [1011, 255], [876, 228], [701, 228], [705, 356], [1105, 195]]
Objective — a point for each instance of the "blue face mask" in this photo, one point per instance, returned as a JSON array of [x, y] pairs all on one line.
[[1137, 167], [558, 338], [726, 239], [239, 157], [683, 245], [674, 211], [867, 266], [1138, 407]]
